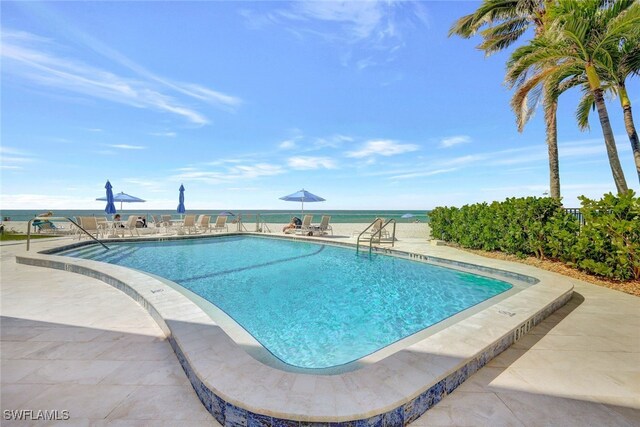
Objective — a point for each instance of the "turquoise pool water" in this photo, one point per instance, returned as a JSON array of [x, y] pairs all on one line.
[[310, 305]]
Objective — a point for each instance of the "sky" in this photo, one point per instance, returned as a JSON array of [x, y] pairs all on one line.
[[368, 104]]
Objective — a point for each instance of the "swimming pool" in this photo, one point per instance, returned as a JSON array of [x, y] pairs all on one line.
[[311, 305]]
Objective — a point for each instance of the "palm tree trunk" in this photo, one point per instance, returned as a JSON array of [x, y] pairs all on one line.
[[607, 132], [552, 145], [630, 127], [610, 143]]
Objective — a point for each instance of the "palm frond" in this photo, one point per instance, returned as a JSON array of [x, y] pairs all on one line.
[[495, 43], [464, 27], [489, 13], [527, 96], [585, 106]]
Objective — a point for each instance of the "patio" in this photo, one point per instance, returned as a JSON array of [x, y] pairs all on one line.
[[62, 348]]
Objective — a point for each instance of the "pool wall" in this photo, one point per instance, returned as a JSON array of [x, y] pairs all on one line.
[[240, 391]]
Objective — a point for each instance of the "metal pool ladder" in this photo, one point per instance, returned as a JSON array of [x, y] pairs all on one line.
[[378, 234], [59, 218]]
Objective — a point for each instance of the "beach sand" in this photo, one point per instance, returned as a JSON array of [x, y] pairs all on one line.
[[403, 229]]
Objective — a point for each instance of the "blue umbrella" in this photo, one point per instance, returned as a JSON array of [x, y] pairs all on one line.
[[181, 208], [124, 198], [302, 196], [407, 215], [110, 209], [226, 213]]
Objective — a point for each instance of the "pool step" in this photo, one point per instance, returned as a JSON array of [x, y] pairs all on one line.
[[115, 254]]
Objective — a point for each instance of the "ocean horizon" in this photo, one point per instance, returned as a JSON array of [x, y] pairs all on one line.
[[248, 215]]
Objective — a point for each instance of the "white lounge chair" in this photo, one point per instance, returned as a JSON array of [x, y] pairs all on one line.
[[189, 223], [324, 227], [156, 223], [373, 231], [166, 222], [131, 225], [90, 224], [202, 224], [221, 224], [305, 227]]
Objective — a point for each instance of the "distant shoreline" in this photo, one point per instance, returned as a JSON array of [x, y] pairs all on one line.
[[403, 230], [275, 216]]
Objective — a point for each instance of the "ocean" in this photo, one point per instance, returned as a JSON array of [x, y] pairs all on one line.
[[248, 216]]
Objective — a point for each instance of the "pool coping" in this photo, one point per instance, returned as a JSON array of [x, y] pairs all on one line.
[[239, 390]]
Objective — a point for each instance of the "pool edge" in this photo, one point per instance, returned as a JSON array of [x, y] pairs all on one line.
[[229, 407]]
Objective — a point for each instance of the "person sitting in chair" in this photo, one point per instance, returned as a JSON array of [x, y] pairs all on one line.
[[295, 223], [117, 219], [38, 224]]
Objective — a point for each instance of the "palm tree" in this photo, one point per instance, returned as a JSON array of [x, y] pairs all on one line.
[[501, 23], [547, 82], [623, 61], [581, 34]]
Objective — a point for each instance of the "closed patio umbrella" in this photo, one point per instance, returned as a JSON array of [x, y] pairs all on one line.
[[110, 209], [181, 208]]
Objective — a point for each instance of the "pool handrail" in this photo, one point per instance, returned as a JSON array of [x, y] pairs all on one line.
[[377, 232], [58, 218]]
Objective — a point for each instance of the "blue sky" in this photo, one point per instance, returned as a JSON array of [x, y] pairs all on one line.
[[368, 104]]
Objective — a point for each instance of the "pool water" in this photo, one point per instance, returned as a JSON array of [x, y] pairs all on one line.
[[310, 305]]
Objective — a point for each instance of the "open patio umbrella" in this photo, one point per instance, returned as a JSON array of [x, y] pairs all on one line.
[[124, 198], [181, 208], [407, 215], [110, 209], [302, 196], [226, 213]]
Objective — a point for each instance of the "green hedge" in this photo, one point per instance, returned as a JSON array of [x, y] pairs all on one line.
[[608, 244]]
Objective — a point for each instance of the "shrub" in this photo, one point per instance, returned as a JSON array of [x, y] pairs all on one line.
[[607, 245], [609, 242]]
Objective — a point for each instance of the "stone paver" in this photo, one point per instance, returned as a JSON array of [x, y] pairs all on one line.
[[74, 343], [579, 367], [71, 342]]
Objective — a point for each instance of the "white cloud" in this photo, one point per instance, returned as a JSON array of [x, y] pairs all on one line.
[[45, 201], [166, 134], [310, 162], [333, 141], [287, 145], [372, 28], [153, 185], [382, 147], [454, 140], [29, 58], [127, 147], [14, 159], [423, 174], [230, 173]]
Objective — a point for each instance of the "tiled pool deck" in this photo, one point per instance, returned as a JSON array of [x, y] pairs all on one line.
[[579, 366]]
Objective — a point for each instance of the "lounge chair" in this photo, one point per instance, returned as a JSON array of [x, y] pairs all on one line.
[[305, 228], [90, 225], [221, 224], [377, 225], [189, 223], [323, 227], [132, 224], [202, 224], [157, 222], [166, 222], [45, 226]]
